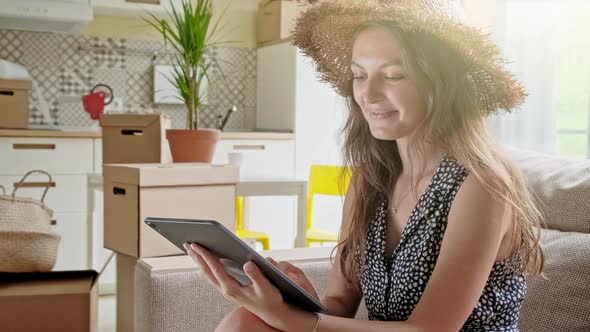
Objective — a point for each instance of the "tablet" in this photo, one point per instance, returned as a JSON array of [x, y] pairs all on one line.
[[233, 253]]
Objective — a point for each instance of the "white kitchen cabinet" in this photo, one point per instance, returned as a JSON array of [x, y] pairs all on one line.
[[97, 144], [291, 97], [73, 246], [53, 155], [67, 194], [261, 159], [265, 160], [68, 160]]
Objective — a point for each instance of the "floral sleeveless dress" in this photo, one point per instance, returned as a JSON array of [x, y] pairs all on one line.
[[392, 292]]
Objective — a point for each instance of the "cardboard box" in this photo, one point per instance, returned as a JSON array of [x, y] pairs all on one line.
[[133, 192], [276, 18], [49, 301], [135, 138], [14, 103]]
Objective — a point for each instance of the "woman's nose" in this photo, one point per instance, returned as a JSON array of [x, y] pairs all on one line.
[[373, 91]]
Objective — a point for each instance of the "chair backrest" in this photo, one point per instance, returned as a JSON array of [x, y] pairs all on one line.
[[326, 180]]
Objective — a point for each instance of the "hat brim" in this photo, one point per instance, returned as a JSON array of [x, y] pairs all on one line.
[[324, 32]]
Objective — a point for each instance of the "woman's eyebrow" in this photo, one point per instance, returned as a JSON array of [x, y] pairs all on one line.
[[395, 62]]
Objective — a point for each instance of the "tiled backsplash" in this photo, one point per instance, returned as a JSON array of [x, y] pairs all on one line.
[[70, 65]]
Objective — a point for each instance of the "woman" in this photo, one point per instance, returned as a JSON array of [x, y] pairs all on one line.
[[438, 230]]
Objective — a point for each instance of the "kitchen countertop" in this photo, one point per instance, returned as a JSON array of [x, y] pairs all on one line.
[[80, 133]]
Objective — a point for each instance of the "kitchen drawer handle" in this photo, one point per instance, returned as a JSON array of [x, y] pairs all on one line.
[[249, 147], [119, 191], [131, 132], [53, 222], [34, 184], [7, 93], [33, 146]]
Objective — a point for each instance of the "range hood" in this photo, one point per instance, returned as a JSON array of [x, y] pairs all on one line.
[[70, 16]]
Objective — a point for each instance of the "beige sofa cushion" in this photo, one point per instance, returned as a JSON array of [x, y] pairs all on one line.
[[562, 301], [172, 294], [561, 185]]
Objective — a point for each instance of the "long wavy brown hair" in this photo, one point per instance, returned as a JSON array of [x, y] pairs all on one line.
[[454, 122]]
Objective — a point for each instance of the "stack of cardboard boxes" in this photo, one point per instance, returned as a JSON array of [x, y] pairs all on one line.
[[140, 182], [42, 301]]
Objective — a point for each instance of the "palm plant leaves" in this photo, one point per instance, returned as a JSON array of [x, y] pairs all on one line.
[[188, 31]]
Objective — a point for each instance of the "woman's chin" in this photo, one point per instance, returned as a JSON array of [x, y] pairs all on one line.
[[383, 135]]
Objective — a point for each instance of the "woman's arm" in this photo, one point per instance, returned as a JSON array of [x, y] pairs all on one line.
[[340, 299], [476, 225]]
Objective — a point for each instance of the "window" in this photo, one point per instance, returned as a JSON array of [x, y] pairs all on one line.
[[547, 47]]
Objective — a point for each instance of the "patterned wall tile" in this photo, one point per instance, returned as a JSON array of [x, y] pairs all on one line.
[[139, 88], [177, 114], [66, 65], [73, 115], [108, 53], [249, 85], [75, 81], [11, 46], [114, 78], [74, 51], [44, 84], [46, 43]]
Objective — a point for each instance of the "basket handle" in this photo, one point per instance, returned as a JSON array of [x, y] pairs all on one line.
[[29, 173]]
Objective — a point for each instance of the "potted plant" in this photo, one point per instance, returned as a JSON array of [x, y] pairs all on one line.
[[189, 31]]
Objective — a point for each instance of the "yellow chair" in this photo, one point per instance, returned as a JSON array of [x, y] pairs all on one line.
[[248, 234], [324, 180]]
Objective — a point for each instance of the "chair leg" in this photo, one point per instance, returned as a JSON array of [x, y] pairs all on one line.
[[265, 244]]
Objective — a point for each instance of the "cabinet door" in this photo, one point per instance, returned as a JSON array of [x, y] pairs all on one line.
[[54, 155], [73, 246], [97, 156], [66, 194]]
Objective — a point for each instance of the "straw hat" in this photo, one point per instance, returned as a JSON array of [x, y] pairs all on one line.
[[323, 32]]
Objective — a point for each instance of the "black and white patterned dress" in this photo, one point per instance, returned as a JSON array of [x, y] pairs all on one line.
[[391, 293]]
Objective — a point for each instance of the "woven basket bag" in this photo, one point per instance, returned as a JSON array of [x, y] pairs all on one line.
[[27, 240]]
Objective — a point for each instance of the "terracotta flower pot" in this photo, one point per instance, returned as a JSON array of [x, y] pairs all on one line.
[[191, 146]]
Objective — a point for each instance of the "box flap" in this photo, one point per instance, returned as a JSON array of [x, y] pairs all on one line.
[[129, 120], [16, 84], [180, 174], [47, 283]]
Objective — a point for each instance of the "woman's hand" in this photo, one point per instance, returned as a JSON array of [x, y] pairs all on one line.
[[296, 275], [260, 298]]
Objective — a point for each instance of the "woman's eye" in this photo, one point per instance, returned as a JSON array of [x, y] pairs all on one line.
[[355, 77], [394, 78]]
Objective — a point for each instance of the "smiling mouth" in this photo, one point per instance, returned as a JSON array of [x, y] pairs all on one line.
[[381, 115]]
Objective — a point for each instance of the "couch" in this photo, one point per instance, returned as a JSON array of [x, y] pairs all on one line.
[[172, 295]]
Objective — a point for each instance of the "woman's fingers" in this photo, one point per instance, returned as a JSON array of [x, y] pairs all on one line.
[[259, 281], [297, 275], [230, 288], [206, 270], [204, 267]]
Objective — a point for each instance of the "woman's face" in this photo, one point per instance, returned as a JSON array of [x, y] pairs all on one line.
[[387, 97]]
